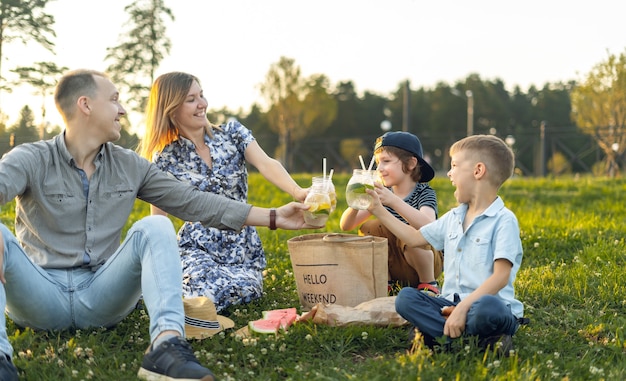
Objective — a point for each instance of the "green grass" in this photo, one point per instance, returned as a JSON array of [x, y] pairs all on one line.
[[572, 282]]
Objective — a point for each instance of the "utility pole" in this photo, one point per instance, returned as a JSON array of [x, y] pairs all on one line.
[[405, 107], [469, 96], [470, 112], [542, 149]]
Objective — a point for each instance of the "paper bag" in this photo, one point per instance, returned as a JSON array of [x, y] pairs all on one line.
[[380, 312], [333, 268]]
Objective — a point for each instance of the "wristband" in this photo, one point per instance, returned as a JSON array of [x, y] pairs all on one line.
[[273, 219]]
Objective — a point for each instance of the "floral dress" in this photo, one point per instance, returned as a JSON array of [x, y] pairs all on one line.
[[223, 265]]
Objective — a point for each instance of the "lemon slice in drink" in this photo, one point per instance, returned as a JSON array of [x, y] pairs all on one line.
[[323, 208], [317, 202]]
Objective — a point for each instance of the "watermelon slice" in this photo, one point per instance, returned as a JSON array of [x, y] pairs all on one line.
[[286, 316], [274, 320], [264, 326]]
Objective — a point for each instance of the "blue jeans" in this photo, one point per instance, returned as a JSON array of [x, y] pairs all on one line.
[[488, 316], [147, 262]]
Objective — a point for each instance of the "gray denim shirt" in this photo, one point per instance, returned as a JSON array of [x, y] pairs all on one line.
[[56, 224]]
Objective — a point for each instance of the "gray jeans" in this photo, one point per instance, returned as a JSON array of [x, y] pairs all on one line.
[[147, 262]]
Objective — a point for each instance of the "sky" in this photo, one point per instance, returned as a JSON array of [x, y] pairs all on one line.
[[377, 44]]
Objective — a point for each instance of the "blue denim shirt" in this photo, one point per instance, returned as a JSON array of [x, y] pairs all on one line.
[[57, 223], [469, 255]]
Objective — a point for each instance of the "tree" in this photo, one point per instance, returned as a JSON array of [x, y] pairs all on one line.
[[282, 85], [4, 136], [43, 77], [599, 108], [256, 120], [24, 20], [144, 45], [350, 139], [346, 121], [24, 130], [299, 107]]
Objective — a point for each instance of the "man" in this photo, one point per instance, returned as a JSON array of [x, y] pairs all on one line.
[[75, 192]]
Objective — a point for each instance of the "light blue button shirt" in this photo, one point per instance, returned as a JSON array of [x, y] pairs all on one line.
[[469, 256]]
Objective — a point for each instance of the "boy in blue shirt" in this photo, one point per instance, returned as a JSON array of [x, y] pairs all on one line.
[[483, 252]]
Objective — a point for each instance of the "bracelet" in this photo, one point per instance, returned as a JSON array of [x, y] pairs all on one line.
[[273, 219]]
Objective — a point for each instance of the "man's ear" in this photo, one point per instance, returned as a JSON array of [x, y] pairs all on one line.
[[83, 105]]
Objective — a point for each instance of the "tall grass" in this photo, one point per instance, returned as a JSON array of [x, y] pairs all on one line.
[[572, 282]]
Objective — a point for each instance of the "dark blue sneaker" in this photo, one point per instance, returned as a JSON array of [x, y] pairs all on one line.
[[8, 372], [173, 360], [501, 344]]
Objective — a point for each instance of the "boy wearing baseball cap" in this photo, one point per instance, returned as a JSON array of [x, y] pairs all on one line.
[[408, 197]]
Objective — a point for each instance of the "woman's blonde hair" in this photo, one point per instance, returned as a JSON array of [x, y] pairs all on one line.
[[168, 92]]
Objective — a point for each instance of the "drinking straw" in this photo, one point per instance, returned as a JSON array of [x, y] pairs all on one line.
[[330, 178], [371, 164], [324, 170], [362, 163]]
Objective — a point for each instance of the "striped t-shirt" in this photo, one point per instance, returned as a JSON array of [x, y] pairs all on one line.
[[422, 195]]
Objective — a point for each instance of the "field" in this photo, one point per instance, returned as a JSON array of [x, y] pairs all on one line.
[[572, 282]]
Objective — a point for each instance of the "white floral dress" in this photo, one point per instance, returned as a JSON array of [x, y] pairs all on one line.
[[223, 265]]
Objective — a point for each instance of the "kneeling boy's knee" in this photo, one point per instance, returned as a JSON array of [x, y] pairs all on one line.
[[404, 299]]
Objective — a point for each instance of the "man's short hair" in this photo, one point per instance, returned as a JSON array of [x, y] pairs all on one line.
[[73, 85]]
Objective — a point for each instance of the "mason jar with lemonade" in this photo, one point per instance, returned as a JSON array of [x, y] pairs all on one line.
[[320, 202], [356, 196]]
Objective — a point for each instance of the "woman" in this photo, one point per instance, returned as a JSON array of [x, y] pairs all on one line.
[[223, 265]]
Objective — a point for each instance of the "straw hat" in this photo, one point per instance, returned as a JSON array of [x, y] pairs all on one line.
[[201, 318]]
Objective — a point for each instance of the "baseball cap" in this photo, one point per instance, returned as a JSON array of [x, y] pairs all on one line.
[[410, 143]]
